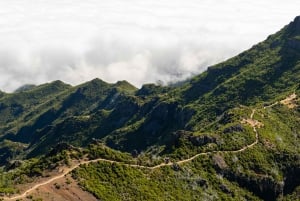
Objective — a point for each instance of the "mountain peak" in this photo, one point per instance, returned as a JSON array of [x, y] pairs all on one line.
[[294, 26], [297, 21], [237, 113], [125, 85]]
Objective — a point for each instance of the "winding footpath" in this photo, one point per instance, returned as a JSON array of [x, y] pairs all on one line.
[[68, 170]]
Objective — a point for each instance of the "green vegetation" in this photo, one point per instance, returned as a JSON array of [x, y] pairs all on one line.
[[99, 150], [193, 182], [42, 127]]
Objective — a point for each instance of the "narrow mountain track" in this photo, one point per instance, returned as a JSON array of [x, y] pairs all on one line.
[[68, 170], [272, 105]]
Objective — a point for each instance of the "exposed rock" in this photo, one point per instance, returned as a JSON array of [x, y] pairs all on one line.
[[202, 182], [176, 167], [161, 115], [294, 44], [164, 111], [263, 186], [13, 164], [219, 162], [195, 140], [234, 128], [60, 147], [292, 179], [184, 116], [294, 27], [202, 140], [225, 189], [226, 118]]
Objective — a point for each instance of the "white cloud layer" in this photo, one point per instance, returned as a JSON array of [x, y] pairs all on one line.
[[136, 40]]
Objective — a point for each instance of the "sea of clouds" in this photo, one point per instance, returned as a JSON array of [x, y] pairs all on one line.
[[140, 41]]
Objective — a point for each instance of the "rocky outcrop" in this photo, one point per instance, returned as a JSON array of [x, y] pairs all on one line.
[[263, 186], [293, 35], [13, 164], [294, 27], [60, 147], [294, 44], [234, 128], [195, 140], [201, 140]]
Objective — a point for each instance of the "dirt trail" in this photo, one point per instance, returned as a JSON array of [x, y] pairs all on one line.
[[272, 105], [62, 189], [288, 101], [68, 170], [252, 122]]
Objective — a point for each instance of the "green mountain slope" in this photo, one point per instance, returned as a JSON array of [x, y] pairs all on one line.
[[211, 114]]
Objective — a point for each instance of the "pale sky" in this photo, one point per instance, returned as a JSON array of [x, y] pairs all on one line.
[[140, 41]]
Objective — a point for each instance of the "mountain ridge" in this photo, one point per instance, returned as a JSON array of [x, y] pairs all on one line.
[[204, 114]]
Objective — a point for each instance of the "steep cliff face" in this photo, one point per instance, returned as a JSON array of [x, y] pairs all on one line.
[[294, 27]]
